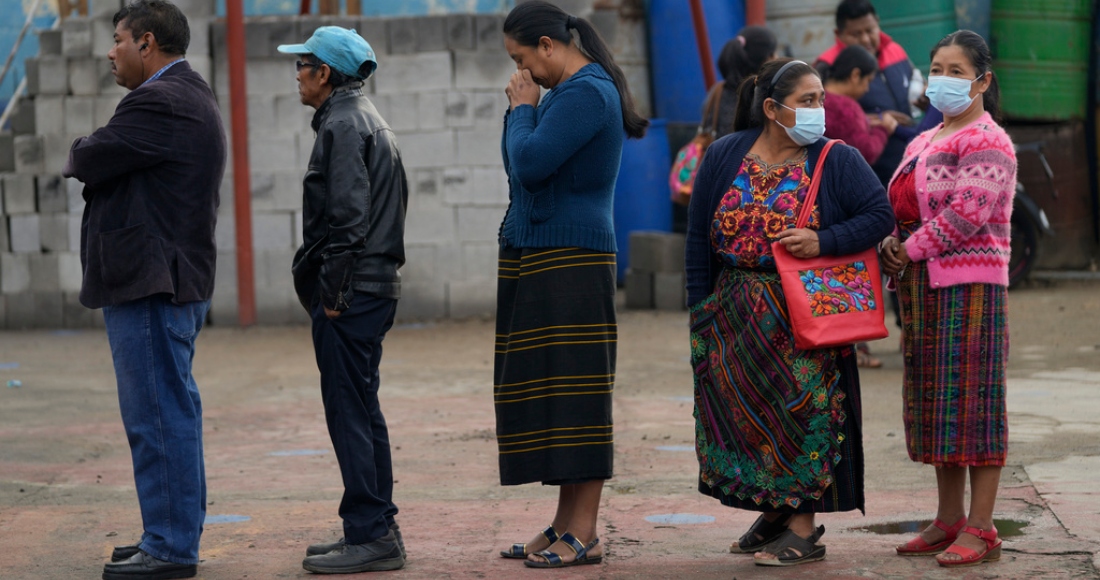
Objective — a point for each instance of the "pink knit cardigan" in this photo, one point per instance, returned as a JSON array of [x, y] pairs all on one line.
[[965, 184]]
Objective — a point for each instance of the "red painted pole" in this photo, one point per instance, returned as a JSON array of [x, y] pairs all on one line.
[[305, 7], [242, 187], [702, 40], [755, 11]]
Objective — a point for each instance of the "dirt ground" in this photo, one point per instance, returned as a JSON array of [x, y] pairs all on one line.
[[67, 496]]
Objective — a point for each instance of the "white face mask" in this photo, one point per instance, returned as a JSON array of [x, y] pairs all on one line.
[[951, 95], [809, 125]]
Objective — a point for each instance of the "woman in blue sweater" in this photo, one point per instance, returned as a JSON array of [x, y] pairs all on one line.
[[777, 428], [555, 349]]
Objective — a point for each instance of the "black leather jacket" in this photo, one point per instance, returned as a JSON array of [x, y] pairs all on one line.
[[353, 206]]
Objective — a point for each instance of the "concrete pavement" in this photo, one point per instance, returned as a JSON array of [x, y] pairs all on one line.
[[66, 488]]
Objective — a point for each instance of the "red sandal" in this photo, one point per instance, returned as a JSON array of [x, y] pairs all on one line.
[[918, 547], [968, 557]]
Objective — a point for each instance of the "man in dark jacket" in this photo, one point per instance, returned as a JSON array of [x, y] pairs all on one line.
[[345, 274], [151, 179], [889, 93]]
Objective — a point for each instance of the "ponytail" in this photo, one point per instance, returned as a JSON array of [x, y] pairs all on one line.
[[530, 21]]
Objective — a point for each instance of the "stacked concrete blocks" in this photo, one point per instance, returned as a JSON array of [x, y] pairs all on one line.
[[655, 278]]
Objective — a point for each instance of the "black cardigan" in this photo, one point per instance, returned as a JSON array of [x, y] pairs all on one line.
[[855, 212]]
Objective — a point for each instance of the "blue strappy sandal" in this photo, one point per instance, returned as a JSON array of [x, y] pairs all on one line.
[[519, 551], [554, 561]]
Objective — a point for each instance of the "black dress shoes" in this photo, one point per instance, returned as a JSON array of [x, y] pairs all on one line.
[[142, 566], [121, 553], [381, 554]]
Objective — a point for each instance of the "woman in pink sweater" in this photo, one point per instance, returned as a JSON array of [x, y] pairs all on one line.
[[952, 196]]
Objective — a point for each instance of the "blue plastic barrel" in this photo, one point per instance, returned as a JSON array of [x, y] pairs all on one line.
[[641, 193], [678, 89]]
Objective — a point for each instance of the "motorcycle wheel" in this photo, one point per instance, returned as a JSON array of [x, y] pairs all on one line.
[[1025, 248]]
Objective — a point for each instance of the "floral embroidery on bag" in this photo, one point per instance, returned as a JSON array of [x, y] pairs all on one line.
[[839, 289]]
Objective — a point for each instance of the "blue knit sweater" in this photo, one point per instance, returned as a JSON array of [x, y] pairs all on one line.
[[562, 161], [855, 212]]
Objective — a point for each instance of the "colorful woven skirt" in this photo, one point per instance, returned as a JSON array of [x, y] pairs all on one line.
[[956, 351], [555, 365], [777, 428]]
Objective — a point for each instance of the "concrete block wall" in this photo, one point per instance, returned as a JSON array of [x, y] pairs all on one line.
[[440, 85]]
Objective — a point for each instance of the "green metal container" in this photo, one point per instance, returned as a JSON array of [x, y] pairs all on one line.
[[1041, 55], [917, 25]]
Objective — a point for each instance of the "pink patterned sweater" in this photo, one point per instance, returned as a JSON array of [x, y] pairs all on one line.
[[965, 184]]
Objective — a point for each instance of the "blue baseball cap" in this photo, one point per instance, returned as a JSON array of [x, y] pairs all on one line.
[[340, 48]]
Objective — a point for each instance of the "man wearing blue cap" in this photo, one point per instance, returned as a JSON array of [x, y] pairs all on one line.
[[346, 276]]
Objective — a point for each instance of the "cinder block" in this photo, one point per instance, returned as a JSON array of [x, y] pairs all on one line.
[[669, 291], [223, 304], [657, 251], [478, 224], [76, 37], [45, 274], [22, 117], [70, 273], [478, 146], [52, 75], [480, 259], [461, 32], [79, 115], [431, 33], [104, 110], [47, 309], [261, 117], [297, 224], [606, 22], [418, 150], [55, 151], [490, 186], [15, 273], [291, 115], [49, 42], [265, 77], [76, 315], [421, 302], [19, 195], [639, 289], [54, 232], [52, 193], [276, 190], [74, 232], [472, 298], [271, 230], [483, 69], [457, 185], [264, 34], [490, 32], [402, 35], [415, 73], [84, 76], [49, 115], [7, 154], [402, 115], [74, 194], [20, 309], [25, 234], [489, 109], [268, 152], [103, 32], [431, 225], [373, 29], [459, 109], [432, 111], [4, 245]]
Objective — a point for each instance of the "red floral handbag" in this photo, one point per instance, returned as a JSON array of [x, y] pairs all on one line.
[[832, 300]]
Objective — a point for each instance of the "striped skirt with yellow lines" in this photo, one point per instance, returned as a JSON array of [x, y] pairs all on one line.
[[554, 368]]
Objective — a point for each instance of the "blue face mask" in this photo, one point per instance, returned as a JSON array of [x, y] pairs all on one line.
[[950, 95], [809, 125]]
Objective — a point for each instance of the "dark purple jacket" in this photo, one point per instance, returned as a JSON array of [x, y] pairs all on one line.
[[151, 179]]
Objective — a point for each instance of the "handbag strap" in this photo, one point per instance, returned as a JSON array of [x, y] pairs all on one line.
[[815, 184]]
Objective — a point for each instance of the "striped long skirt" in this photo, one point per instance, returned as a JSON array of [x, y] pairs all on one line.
[[554, 369], [956, 353]]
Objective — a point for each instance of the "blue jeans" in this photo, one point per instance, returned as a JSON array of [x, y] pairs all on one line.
[[349, 349], [153, 346]]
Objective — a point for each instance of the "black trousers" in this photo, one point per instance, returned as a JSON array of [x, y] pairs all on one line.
[[349, 349]]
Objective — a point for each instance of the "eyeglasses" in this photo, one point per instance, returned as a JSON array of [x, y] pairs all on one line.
[[299, 65]]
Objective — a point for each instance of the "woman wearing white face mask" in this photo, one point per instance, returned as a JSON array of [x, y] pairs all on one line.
[[953, 198], [777, 428]]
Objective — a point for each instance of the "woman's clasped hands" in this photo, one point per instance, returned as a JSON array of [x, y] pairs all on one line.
[[893, 256]]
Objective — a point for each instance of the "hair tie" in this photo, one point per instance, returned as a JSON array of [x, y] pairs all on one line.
[[570, 22], [741, 39]]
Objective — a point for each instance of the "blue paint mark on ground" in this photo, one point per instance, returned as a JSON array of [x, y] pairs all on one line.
[[296, 452], [679, 519], [676, 448], [226, 519], [8, 366]]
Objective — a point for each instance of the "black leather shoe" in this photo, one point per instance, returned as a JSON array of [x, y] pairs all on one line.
[[318, 549], [121, 553], [142, 566], [381, 554]]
